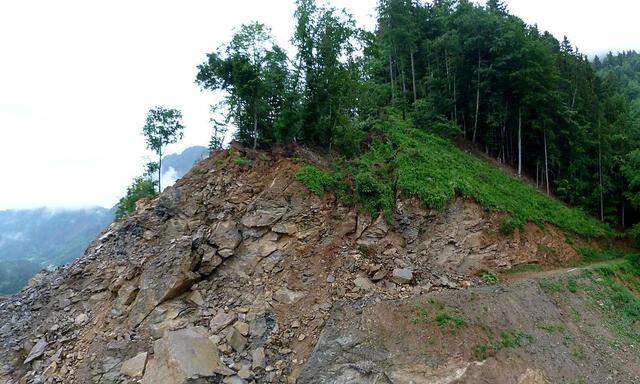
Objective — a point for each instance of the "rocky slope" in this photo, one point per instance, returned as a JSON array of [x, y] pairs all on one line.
[[238, 274]]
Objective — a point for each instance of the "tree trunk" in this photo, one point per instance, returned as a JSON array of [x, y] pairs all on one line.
[[546, 164], [455, 100], [160, 171], [573, 100], [393, 86], [600, 175], [475, 124], [520, 142], [413, 78], [537, 173], [255, 126]]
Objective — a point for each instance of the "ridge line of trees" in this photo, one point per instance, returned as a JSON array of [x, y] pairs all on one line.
[[454, 68]]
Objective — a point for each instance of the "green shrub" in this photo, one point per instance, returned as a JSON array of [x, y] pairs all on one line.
[[317, 181], [635, 234], [591, 255], [347, 139], [510, 224], [243, 162], [452, 320], [374, 195], [489, 277], [142, 187]]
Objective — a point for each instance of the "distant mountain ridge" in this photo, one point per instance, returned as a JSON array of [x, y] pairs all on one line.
[[35, 239], [31, 240], [177, 165]]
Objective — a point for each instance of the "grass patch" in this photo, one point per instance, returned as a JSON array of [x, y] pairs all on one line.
[[510, 224], [615, 292], [553, 328], [243, 162], [592, 255], [508, 339], [445, 319], [489, 277], [422, 315]]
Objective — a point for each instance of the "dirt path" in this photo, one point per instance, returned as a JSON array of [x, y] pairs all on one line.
[[511, 277]]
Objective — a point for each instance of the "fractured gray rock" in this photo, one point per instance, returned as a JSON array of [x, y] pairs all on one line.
[[182, 355], [402, 275], [134, 367], [36, 351]]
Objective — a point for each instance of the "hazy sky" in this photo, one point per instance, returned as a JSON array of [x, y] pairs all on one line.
[[77, 77]]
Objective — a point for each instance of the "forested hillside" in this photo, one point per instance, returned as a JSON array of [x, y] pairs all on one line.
[[451, 68]]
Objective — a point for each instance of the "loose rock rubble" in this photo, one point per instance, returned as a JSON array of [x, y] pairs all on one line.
[[231, 274]]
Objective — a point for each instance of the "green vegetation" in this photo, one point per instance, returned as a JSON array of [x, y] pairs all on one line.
[[510, 224], [163, 126], [553, 328], [317, 181], [489, 277], [243, 162], [445, 317], [508, 339], [422, 315], [635, 234], [592, 255], [435, 170], [445, 70], [142, 187], [614, 290]]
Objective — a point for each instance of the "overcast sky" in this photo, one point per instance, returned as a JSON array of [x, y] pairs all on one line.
[[77, 77]]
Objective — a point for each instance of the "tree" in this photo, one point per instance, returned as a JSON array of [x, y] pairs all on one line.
[[219, 130], [253, 72], [163, 126]]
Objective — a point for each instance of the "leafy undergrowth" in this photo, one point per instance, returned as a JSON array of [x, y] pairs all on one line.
[[616, 292], [414, 162]]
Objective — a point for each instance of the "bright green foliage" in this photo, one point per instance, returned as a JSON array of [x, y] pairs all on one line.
[[142, 187], [317, 181]]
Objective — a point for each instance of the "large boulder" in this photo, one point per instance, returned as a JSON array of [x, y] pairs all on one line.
[[184, 355]]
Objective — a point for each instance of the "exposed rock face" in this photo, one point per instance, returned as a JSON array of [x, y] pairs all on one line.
[[231, 276]]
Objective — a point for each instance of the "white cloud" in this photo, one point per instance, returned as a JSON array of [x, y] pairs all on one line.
[[77, 77]]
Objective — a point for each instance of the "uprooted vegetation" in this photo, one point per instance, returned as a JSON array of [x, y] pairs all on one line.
[[402, 159]]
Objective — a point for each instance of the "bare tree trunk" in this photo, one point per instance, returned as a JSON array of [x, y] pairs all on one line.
[[160, 170], [404, 84], [546, 164], [393, 86], [255, 127], [475, 124], [455, 100], [573, 100], [600, 175], [520, 142], [413, 77]]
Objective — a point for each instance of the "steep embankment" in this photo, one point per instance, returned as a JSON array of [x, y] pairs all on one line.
[[237, 273]]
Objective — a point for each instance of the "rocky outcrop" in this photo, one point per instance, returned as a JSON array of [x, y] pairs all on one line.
[[232, 274]]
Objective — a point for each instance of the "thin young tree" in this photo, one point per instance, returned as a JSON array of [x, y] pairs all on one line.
[[163, 127]]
